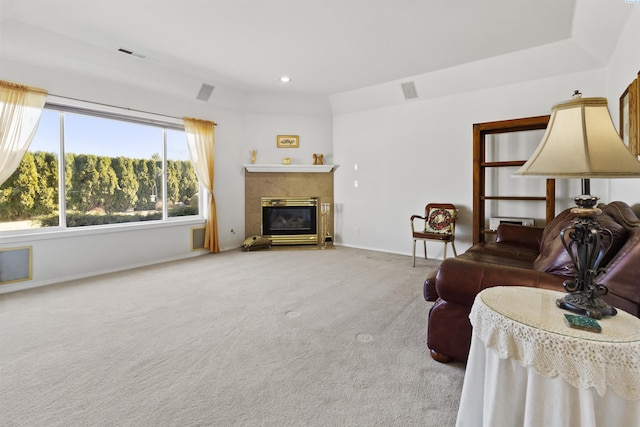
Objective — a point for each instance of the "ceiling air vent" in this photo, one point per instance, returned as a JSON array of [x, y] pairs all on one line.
[[130, 52], [205, 92], [409, 90]]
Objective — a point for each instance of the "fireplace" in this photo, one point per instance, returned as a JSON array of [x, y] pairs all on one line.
[[290, 220]]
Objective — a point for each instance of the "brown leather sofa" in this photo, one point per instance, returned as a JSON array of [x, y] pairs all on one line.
[[526, 256]]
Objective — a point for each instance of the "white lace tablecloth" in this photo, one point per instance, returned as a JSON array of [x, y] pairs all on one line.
[[525, 325]]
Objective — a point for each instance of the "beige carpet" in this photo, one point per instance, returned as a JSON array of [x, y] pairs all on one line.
[[266, 338]]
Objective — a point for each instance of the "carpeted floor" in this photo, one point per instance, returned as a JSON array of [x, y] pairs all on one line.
[[265, 338]]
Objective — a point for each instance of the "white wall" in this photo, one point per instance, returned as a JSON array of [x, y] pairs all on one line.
[[421, 151], [623, 68], [412, 152], [73, 254], [260, 131]]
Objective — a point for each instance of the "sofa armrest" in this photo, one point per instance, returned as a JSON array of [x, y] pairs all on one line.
[[429, 288], [459, 280], [521, 235]]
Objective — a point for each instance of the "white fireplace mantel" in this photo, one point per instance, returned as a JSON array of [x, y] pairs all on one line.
[[289, 168]]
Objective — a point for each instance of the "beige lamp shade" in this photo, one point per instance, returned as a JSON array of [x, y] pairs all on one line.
[[581, 142]]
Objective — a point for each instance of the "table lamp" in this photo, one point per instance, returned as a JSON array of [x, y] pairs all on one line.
[[581, 142]]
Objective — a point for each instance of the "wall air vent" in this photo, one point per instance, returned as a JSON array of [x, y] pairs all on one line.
[[205, 92], [197, 238], [409, 90], [130, 52], [15, 264]]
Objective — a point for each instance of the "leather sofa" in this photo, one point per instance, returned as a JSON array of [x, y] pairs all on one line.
[[526, 256]]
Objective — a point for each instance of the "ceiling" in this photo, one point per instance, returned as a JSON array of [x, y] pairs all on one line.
[[325, 46]]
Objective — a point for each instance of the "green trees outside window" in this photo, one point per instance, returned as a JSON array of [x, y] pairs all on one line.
[[32, 190], [112, 170]]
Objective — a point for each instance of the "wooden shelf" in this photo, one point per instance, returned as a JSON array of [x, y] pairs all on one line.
[[480, 167], [503, 164], [523, 198]]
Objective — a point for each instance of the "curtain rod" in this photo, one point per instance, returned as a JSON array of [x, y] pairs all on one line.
[[19, 86], [122, 108]]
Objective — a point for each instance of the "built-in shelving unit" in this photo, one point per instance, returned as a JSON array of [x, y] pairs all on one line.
[[481, 167]]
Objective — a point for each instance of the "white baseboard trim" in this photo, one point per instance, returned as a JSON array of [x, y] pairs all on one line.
[[367, 248], [21, 286]]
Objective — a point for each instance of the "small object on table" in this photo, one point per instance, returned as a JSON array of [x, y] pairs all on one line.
[[582, 322]]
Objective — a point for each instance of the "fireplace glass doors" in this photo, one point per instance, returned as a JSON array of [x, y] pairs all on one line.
[[290, 220]]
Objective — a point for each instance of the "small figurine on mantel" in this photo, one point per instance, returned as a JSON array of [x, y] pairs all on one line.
[[253, 154], [318, 159]]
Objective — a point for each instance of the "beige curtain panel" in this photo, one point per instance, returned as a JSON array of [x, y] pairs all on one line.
[[20, 111], [201, 142]]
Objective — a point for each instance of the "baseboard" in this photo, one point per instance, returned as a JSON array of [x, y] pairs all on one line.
[[367, 248], [14, 287]]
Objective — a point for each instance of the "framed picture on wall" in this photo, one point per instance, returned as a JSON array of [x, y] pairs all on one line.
[[630, 117], [288, 141]]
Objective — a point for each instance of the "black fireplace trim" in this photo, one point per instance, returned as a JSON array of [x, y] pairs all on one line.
[[305, 234]]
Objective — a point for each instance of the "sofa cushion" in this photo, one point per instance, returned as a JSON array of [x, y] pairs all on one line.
[[506, 251], [520, 235], [620, 236], [553, 256]]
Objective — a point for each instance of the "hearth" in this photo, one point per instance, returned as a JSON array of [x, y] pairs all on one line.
[[290, 220]]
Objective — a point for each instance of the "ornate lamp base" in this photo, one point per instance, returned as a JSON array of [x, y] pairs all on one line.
[[584, 242], [580, 303]]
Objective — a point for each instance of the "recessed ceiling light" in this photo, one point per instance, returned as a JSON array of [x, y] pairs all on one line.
[[285, 79]]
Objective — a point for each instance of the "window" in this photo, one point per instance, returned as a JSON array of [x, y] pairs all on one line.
[[114, 171], [32, 191], [182, 184]]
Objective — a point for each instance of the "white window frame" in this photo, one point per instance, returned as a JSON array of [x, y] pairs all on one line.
[[66, 105]]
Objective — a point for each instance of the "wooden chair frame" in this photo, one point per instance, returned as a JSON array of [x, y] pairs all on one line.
[[426, 234]]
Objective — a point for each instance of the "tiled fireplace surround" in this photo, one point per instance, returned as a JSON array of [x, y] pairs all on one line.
[[282, 182]]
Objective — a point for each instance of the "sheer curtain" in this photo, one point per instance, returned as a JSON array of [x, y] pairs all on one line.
[[20, 111], [201, 141]]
